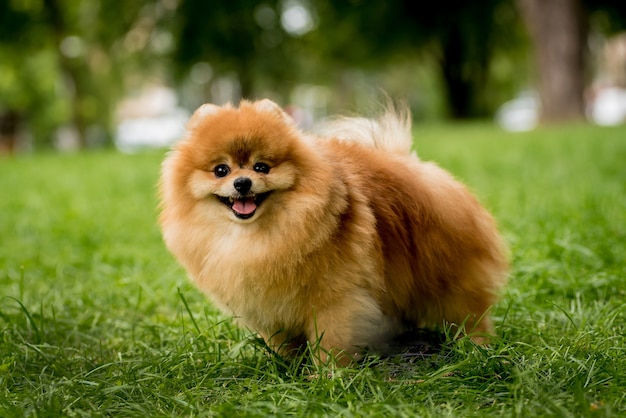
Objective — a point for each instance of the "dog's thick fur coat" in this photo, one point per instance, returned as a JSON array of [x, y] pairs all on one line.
[[345, 238]]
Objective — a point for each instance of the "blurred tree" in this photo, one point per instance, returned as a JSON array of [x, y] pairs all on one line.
[[466, 34], [460, 36], [242, 37], [249, 38], [25, 71], [607, 16], [558, 29], [64, 62]]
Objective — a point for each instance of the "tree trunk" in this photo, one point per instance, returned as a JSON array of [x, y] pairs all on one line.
[[558, 31], [71, 70], [9, 127], [464, 71], [457, 87], [467, 42]]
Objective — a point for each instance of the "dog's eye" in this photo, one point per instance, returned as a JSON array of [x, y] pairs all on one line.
[[221, 170], [261, 168]]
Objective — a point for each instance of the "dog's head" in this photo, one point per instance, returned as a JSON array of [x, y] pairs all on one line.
[[238, 161]]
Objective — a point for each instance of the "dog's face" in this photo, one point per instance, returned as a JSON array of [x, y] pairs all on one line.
[[243, 183], [246, 189], [240, 161]]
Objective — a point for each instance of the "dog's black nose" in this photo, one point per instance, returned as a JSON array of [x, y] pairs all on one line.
[[242, 185]]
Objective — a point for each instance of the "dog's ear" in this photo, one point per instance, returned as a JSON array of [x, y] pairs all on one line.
[[204, 110], [266, 105]]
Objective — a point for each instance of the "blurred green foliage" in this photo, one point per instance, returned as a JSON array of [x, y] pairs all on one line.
[[66, 63]]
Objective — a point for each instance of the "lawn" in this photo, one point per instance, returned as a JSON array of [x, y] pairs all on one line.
[[97, 319]]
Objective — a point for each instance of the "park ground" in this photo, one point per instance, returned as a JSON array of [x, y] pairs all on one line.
[[97, 319]]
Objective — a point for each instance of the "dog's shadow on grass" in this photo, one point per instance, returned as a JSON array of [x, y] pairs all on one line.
[[416, 344], [405, 351]]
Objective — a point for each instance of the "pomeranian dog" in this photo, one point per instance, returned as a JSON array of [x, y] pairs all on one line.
[[342, 240]]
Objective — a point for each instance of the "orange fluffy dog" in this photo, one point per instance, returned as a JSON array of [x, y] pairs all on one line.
[[344, 240]]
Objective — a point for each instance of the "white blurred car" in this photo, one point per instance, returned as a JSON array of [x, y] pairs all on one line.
[[519, 114], [607, 108], [151, 119], [135, 134]]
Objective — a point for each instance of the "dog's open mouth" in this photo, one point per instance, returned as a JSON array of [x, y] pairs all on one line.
[[244, 207]]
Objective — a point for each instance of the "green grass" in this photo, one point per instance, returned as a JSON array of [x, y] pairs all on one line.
[[96, 318]]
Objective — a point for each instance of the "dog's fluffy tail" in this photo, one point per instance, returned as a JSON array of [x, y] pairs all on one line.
[[391, 131]]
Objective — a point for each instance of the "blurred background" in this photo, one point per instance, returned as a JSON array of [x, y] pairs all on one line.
[[78, 74]]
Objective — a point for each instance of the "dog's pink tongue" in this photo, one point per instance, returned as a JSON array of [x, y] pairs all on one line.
[[244, 206]]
